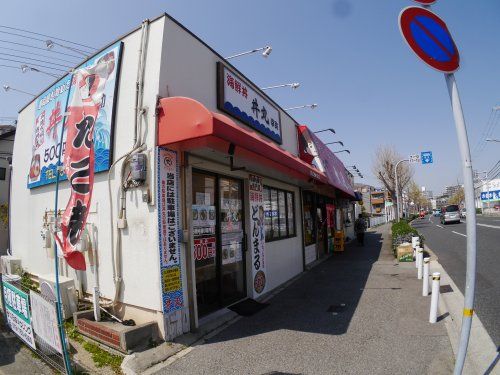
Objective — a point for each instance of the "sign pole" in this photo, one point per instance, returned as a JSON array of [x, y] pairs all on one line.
[[470, 281]]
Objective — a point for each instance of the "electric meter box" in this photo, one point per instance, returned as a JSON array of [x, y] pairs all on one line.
[[138, 167]]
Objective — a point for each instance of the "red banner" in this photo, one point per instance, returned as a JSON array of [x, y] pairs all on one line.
[[87, 94]]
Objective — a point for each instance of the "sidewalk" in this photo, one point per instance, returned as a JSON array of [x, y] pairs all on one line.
[[383, 328]]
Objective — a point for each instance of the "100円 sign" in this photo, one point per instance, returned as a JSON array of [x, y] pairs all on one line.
[[18, 313]]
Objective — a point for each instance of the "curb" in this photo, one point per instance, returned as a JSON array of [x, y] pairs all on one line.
[[482, 353]]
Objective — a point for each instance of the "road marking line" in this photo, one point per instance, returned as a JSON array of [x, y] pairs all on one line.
[[437, 225], [461, 234], [489, 226]]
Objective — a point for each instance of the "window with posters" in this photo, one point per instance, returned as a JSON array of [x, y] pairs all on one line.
[[218, 240], [279, 213]]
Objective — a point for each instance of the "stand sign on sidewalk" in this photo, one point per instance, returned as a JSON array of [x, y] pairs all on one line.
[[17, 311]]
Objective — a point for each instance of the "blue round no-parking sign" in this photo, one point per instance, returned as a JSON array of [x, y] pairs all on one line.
[[429, 37]]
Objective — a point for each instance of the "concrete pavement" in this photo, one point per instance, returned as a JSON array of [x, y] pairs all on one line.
[[16, 359], [449, 243], [382, 329]]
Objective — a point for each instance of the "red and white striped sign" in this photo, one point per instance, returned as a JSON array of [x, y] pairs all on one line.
[[88, 85]]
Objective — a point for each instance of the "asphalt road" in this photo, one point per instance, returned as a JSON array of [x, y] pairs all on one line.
[[448, 242]]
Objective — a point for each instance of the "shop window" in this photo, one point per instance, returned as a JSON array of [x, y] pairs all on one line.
[[279, 214], [2, 173]]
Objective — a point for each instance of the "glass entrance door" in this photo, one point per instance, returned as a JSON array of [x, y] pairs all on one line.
[[218, 241], [232, 240]]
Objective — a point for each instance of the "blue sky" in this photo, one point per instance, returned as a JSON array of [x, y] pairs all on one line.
[[348, 56]]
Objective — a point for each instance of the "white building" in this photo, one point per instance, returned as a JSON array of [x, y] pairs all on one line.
[[229, 199]]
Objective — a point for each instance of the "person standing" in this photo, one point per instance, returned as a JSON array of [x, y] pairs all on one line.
[[360, 228]]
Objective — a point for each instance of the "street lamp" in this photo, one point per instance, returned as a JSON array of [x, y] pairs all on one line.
[[339, 142], [7, 88], [267, 51], [312, 106], [492, 140], [325, 130], [294, 86], [336, 152], [50, 44], [27, 68]]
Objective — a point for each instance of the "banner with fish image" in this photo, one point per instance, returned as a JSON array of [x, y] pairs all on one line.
[[50, 110]]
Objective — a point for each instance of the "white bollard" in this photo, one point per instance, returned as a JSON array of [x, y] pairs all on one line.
[[436, 276], [425, 283], [420, 257], [415, 243]]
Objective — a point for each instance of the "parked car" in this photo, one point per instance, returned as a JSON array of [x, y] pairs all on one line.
[[463, 213], [436, 213], [450, 214]]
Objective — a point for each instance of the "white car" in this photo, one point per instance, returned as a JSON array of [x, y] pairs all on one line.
[[451, 214], [463, 213]]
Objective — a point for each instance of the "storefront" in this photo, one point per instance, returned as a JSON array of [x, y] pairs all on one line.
[[197, 196]]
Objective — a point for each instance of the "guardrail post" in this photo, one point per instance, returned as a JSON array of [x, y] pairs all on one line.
[[436, 276], [420, 257], [425, 284]]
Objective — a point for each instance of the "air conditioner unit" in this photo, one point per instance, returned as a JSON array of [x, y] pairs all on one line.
[[68, 292], [10, 265]]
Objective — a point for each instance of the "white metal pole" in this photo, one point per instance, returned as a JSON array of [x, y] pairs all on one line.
[[470, 280], [425, 284], [420, 256], [436, 276], [397, 192]]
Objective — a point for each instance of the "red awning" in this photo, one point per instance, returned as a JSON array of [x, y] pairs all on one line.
[[186, 124]]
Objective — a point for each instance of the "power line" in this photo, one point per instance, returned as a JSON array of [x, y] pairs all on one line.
[[40, 40], [48, 36], [35, 64], [40, 48], [36, 54], [29, 58]]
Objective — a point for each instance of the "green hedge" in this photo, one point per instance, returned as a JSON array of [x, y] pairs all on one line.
[[402, 231]]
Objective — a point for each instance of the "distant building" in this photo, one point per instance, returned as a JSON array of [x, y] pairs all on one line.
[[450, 191], [427, 193], [365, 191], [379, 197]]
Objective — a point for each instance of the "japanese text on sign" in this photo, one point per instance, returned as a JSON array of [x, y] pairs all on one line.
[[257, 233], [168, 216], [241, 101]]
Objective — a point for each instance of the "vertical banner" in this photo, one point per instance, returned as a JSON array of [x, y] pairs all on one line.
[[17, 310], [257, 234], [44, 316], [168, 219]]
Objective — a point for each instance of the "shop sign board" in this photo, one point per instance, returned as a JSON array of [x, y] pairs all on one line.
[[257, 238], [490, 196], [238, 98], [44, 316], [50, 109], [168, 220], [17, 311]]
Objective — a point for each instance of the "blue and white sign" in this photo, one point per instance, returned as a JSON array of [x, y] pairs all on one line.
[[490, 195], [237, 98], [426, 157]]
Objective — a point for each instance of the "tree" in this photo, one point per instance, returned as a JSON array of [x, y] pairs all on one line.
[[4, 215], [416, 196], [458, 197], [383, 166]]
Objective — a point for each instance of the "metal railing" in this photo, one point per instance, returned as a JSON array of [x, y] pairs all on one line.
[[45, 351], [377, 220]]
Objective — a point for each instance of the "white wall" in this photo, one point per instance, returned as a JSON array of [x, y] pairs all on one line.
[[189, 69], [140, 240]]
